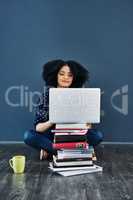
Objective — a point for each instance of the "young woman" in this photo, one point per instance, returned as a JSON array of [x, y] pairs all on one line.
[[59, 74]]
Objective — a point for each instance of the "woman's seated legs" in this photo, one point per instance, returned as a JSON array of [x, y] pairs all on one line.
[[94, 137], [40, 140]]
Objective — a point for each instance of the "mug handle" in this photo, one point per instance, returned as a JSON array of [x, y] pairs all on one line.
[[10, 162]]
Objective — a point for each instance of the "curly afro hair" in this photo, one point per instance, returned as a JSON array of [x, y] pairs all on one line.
[[51, 69]]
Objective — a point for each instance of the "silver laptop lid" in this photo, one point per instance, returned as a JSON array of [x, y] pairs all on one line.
[[74, 105]]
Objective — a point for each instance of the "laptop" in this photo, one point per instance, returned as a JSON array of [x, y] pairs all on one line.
[[74, 105]]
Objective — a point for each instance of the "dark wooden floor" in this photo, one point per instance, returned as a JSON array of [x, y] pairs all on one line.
[[38, 182]]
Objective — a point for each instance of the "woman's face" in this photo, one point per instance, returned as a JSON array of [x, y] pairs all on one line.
[[64, 77]]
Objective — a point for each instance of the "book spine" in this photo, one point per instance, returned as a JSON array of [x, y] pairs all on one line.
[[74, 128], [70, 145], [61, 126], [73, 159], [54, 166], [69, 138], [68, 131], [72, 165]]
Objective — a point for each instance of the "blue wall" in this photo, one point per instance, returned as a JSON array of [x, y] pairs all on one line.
[[96, 33]]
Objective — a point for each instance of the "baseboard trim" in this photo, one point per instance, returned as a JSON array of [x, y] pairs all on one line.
[[11, 142], [123, 143], [106, 142]]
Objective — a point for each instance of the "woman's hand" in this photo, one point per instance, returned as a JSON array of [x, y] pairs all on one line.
[[43, 126], [89, 125]]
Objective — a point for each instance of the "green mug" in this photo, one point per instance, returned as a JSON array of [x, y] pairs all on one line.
[[17, 163]]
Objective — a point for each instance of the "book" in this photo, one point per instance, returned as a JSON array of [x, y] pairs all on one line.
[[69, 131], [72, 163], [79, 172], [69, 138], [75, 156], [71, 126], [83, 151], [59, 169], [70, 145], [62, 154], [73, 159]]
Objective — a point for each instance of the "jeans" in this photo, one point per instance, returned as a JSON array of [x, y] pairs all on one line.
[[44, 140]]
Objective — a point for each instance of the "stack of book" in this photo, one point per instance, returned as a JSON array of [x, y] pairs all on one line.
[[73, 151]]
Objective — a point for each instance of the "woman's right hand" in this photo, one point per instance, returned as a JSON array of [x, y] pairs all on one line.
[[50, 123], [43, 126]]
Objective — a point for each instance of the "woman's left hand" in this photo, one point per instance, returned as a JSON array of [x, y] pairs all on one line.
[[89, 125]]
